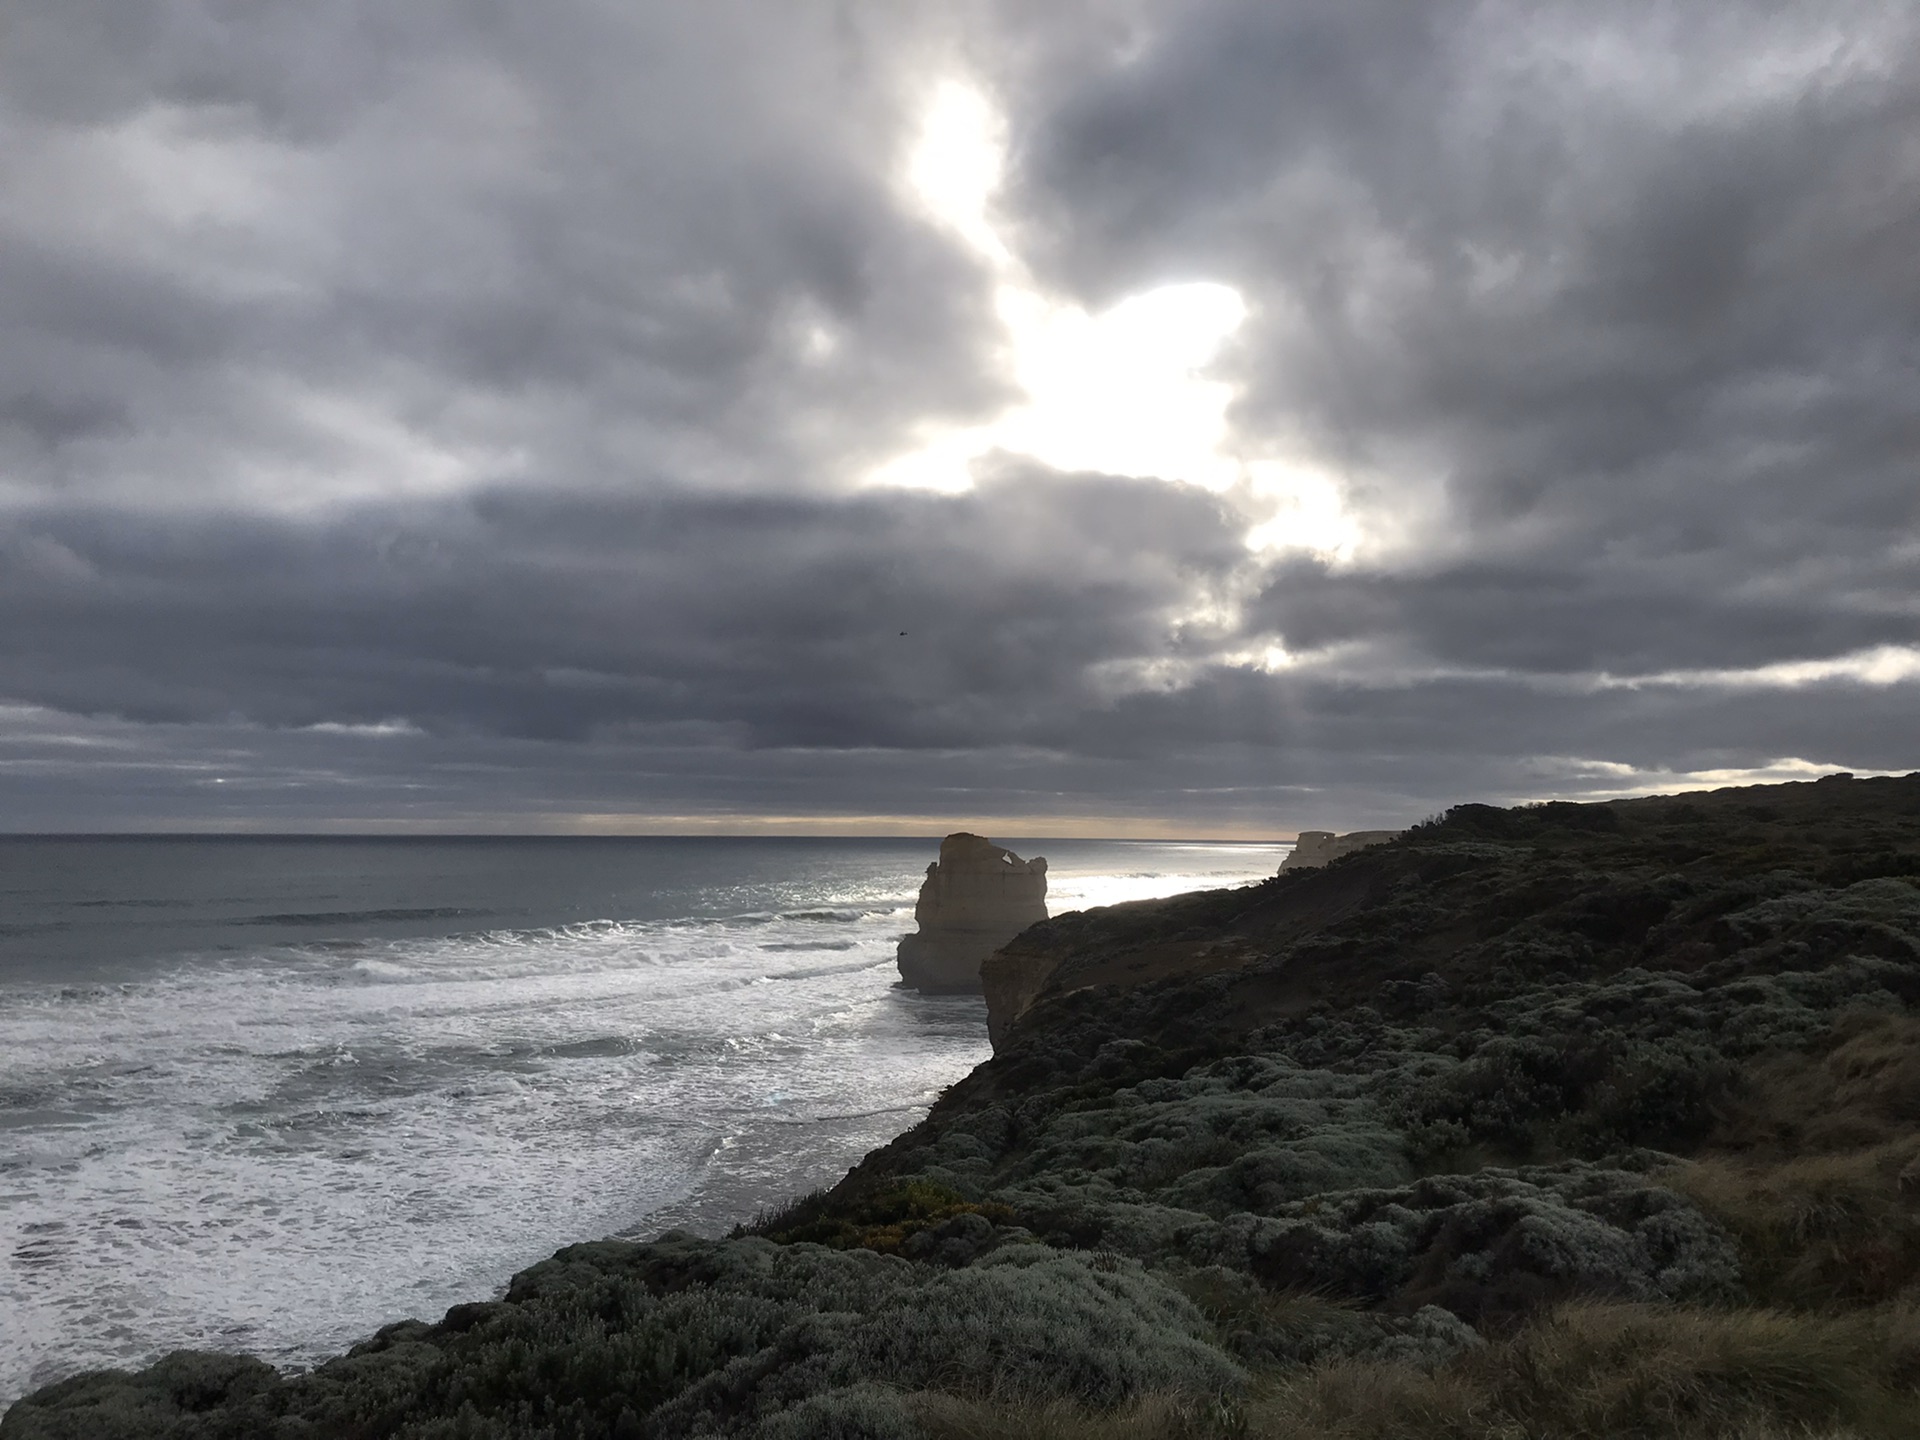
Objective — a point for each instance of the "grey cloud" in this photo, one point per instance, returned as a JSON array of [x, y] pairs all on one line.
[[592, 239], [536, 613], [509, 373], [1199, 762], [1624, 285], [522, 656], [1564, 610]]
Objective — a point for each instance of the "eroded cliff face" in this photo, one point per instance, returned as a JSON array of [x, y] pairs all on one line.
[[977, 896], [1315, 848], [1013, 976]]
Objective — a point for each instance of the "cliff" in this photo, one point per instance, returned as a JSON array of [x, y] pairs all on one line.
[[976, 897], [1126, 944], [1571, 1120], [1313, 848]]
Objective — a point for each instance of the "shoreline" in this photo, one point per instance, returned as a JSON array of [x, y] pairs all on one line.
[[1518, 1075], [383, 1031]]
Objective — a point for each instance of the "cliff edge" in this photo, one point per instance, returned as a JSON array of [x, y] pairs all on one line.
[[1314, 848]]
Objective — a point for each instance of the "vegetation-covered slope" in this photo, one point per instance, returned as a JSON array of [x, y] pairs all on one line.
[[1570, 1120]]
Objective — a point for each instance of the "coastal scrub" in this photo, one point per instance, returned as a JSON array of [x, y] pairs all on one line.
[[1564, 1120]]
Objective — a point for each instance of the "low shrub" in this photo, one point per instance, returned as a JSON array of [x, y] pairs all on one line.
[[882, 1220], [1033, 1322], [1498, 1244], [1575, 1093], [854, 1412], [1153, 1417], [1264, 1328]]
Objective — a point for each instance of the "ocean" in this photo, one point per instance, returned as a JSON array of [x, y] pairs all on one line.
[[267, 1094]]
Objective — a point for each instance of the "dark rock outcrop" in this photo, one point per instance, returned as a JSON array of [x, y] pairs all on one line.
[[976, 897]]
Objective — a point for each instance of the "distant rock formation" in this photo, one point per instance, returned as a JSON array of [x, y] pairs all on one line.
[[1315, 848], [976, 898]]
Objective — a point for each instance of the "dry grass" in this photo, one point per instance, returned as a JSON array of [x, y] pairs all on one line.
[[1858, 1090], [1591, 1371], [1816, 1171], [1820, 1230], [1595, 1370]]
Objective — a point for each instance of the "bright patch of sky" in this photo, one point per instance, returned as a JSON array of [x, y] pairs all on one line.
[[1882, 665], [1565, 777], [1129, 390]]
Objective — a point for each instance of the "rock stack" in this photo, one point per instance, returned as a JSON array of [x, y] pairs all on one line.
[[976, 898]]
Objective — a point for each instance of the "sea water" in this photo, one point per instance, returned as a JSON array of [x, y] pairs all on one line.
[[269, 1094]]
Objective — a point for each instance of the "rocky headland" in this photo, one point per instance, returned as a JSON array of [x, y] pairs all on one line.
[[1314, 848], [1561, 1121], [976, 897]]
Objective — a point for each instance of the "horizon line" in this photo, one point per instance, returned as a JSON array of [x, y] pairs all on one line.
[[398, 834], [530, 824]]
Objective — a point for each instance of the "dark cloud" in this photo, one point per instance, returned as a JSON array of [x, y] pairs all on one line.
[[457, 412], [1610, 302], [893, 619], [598, 245], [1565, 609]]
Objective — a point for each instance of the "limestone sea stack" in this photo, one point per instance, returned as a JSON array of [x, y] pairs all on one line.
[[977, 896], [1315, 848]]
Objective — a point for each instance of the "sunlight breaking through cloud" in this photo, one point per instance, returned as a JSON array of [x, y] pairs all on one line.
[[1122, 391], [1217, 410], [1578, 778], [1882, 665]]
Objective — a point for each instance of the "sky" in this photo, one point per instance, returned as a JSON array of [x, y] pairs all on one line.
[[1106, 417]]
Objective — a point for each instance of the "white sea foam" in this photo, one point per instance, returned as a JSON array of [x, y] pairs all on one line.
[[283, 1151], [278, 1150]]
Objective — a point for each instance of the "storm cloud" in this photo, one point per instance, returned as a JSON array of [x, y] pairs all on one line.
[[462, 418]]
